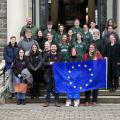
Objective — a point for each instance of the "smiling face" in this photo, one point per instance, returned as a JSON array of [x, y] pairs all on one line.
[[34, 48], [91, 48], [40, 34], [21, 53], [53, 48], [64, 38], [73, 52], [112, 38]]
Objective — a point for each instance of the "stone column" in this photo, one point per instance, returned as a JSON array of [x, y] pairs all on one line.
[[3, 23], [15, 17], [102, 14], [91, 10], [54, 11], [118, 16]]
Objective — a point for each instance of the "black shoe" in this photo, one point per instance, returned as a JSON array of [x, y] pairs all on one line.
[[46, 104], [23, 102], [18, 102], [57, 104]]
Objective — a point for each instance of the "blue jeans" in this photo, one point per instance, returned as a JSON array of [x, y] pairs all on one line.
[[19, 96], [10, 75]]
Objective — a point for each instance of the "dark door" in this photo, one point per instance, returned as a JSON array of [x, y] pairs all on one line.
[[68, 11]]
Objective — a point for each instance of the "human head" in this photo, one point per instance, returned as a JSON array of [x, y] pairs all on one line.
[[61, 28], [46, 46], [92, 47], [53, 48], [49, 25], [85, 28], [73, 52], [29, 21], [112, 38], [34, 48], [49, 36], [28, 33], [12, 40], [92, 24], [112, 23], [76, 22], [79, 36], [21, 52], [64, 38], [70, 32], [96, 35], [110, 29], [40, 34]]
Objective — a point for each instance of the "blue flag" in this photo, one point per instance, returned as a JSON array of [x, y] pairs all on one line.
[[76, 77]]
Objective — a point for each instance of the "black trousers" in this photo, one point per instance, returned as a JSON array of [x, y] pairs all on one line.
[[35, 90], [50, 89], [94, 95]]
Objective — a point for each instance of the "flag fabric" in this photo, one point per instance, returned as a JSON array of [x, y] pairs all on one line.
[[76, 77]]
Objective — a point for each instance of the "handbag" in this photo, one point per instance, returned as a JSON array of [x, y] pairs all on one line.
[[20, 87]]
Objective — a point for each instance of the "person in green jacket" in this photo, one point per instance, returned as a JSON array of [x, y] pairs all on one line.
[[80, 46], [64, 49], [49, 30], [30, 26], [59, 34], [76, 28], [87, 36]]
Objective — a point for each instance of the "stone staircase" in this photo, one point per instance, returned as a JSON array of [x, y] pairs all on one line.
[[105, 96], [1, 53]]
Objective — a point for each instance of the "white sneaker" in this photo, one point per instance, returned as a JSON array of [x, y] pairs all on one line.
[[76, 103], [68, 103]]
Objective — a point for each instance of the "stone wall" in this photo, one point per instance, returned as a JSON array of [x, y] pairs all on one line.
[[3, 22]]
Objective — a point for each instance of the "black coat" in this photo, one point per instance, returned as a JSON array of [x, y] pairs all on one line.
[[113, 54], [48, 68], [35, 61], [19, 65]]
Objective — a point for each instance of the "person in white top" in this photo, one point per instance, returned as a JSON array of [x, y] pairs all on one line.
[[93, 28]]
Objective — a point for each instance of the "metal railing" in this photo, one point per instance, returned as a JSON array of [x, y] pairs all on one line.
[[3, 82]]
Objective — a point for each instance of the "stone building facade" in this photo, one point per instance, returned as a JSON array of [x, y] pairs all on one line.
[[3, 22]]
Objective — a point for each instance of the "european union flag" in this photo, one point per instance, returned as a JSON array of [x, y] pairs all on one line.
[[76, 77]]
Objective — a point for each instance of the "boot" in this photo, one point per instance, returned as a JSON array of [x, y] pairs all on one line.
[[23, 102], [18, 102], [57, 104], [46, 104]]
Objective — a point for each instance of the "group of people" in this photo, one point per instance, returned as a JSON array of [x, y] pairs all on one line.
[[38, 50]]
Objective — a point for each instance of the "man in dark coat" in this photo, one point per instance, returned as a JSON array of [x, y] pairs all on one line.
[[112, 52], [9, 54], [49, 59]]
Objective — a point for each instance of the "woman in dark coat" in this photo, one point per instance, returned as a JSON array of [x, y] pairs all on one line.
[[112, 52], [35, 64], [19, 64]]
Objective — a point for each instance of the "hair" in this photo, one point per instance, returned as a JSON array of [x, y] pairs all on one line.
[[114, 23], [109, 26], [12, 37], [31, 51], [28, 31]]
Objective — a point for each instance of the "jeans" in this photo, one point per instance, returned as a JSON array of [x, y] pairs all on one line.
[[50, 88], [19, 96], [10, 75]]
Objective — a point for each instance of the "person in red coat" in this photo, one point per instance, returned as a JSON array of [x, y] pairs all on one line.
[[93, 54]]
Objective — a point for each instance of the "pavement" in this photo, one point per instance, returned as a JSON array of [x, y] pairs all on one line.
[[38, 112]]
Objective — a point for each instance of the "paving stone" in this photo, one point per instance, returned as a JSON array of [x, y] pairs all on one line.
[[37, 112]]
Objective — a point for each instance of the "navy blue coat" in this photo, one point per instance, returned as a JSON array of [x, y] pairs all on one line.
[[9, 55]]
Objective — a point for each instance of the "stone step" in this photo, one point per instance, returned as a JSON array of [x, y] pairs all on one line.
[[101, 99]]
